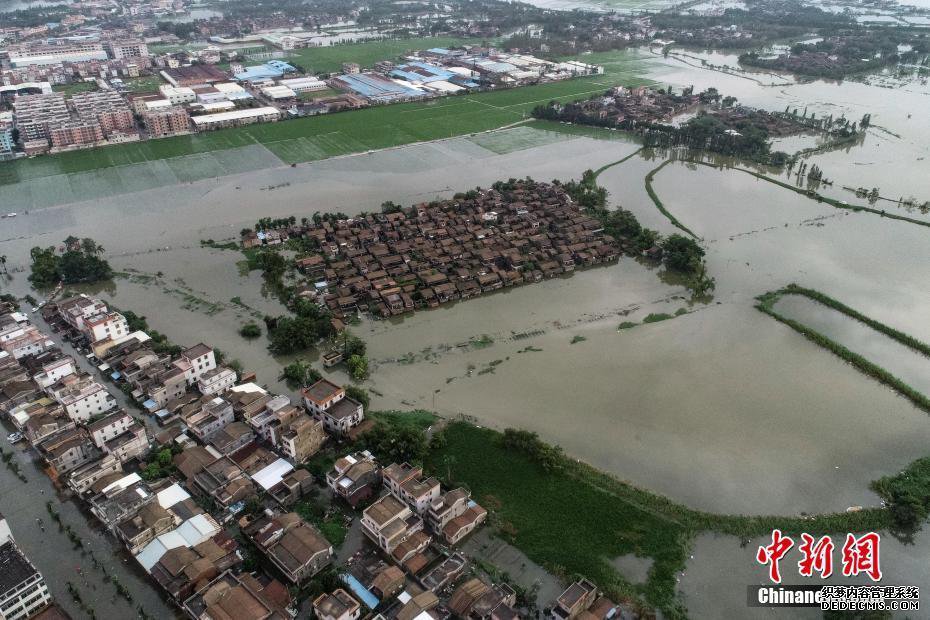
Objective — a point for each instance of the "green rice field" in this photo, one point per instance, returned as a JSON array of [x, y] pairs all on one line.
[[46, 180]]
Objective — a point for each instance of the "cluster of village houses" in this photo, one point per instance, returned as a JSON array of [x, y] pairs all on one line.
[[391, 263], [230, 443]]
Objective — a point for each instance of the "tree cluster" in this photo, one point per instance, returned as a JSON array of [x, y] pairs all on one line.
[[79, 262]]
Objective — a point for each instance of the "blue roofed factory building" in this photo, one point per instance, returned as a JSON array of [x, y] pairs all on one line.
[[270, 70]]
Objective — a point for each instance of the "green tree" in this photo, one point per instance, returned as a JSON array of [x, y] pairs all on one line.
[[682, 254], [358, 367], [250, 331]]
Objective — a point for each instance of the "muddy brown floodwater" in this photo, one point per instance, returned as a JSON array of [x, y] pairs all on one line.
[[721, 408]]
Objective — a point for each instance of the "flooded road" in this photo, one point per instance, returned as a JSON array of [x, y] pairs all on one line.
[[89, 568]]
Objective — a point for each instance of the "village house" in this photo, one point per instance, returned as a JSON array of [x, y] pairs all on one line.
[[67, 450], [216, 381], [475, 599], [232, 437], [454, 515], [118, 433], [84, 477], [339, 605], [293, 545], [82, 397], [292, 487], [354, 477], [328, 403], [302, 439], [139, 530], [207, 416], [240, 597], [394, 528], [575, 600]]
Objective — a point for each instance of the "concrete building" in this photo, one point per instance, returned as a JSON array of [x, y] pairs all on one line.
[[31, 54], [216, 381], [236, 118], [177, 95], [337, 606], [166, 121], [36, 115], [303, 438], [22, 588], [127, 49], [108, 109], [328, 403]]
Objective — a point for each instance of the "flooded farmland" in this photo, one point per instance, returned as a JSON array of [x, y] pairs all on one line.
[[721, 408]]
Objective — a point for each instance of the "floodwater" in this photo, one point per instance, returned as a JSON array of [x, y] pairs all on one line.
[[721, 408], [52, 552], [903, 362], [719, 568]]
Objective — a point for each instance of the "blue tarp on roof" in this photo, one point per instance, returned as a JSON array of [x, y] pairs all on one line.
[[115, 375], [150, 404], [360, 591]]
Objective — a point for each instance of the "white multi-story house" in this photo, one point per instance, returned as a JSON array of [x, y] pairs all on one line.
[[30, 342], [328, 403], [75, 309], [82, 397], [12, 325], [216, 381], [55, 371], [196, 362], [109, 427], [107, 326], [22, 587]]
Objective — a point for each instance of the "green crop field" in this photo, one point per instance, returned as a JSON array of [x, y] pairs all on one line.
[[319, 137], [143, 84], [75, 88], [329, 59]]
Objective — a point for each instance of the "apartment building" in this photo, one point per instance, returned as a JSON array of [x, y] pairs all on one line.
[[166, 121], [106, 108], [119, 50]]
